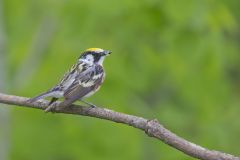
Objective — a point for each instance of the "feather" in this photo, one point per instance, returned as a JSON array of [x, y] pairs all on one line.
[[86, 82], [43, 95], [82, 80]]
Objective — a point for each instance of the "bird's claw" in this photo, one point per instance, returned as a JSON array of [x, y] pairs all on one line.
[[50, 108], [93, 106]]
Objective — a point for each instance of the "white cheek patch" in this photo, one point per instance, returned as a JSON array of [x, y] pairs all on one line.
[[90, 58]]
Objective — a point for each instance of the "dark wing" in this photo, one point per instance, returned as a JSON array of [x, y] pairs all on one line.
[[69, 76], [85, 82], [64, 84]]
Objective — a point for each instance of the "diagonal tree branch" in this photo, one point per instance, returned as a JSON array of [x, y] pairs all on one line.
[[151, 127]]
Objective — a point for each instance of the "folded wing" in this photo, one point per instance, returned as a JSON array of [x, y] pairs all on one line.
[[85, 82]]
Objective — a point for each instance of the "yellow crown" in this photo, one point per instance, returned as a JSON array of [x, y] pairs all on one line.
[[95, 49]]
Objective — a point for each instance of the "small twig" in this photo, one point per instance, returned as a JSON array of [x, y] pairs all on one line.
[[151, 127]]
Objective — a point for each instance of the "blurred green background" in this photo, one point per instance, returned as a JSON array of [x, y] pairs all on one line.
[[175, 60]]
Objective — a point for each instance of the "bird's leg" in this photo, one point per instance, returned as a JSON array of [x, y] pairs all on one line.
[[90, 104], [50, 108], [51, 105], [52, 101]]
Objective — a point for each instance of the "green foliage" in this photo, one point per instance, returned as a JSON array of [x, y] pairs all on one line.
[[177, 61]]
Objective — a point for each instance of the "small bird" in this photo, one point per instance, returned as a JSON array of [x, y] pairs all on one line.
[[81, 81]]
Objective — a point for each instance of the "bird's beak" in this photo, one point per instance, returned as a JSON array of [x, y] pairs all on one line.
[[106, 52]]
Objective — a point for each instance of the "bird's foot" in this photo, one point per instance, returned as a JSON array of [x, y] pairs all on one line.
[[50, 108], [93, 106]]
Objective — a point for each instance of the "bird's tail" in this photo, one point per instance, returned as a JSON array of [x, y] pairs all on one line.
[[41, 96]]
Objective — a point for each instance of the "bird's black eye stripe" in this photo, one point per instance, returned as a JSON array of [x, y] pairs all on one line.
[[97, 57]]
